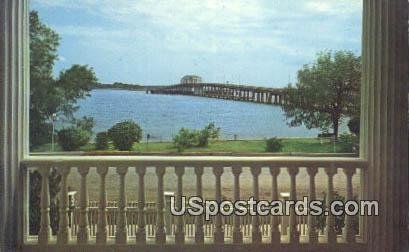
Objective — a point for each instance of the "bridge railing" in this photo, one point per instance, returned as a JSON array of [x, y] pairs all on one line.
[[225, 91]]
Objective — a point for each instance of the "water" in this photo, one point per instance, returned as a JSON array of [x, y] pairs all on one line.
[[163, 115]]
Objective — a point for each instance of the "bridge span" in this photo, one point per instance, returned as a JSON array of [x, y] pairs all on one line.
[[224, 91]]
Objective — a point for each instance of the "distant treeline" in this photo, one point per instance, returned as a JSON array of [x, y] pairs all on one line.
[[119, 85]]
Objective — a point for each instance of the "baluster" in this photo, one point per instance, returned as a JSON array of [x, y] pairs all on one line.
[[218, 232], [83, 229], [255, 233], [330, 228], [199, 233], [101, 236], [362, 195], [160, 236], [312, 232], [121, 234], [141, 232], [180, 232], [294, 234], [63, 235], [275, 220], [349, 234], [237, 233], [44, 234]]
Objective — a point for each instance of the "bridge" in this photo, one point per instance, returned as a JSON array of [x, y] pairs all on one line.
[[224, 91]]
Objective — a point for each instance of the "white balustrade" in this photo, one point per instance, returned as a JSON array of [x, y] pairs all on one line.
[[312, 232], [330, 231], [141, 232], [102, 231], [63, 235], [237, 232], [218, 232], [199, 232], [160, 235], [101, 221], [349, 234], [255, 232], [180, 232], [44, 234], [121, 235], [275, 220], [294, 236], [83, 229]]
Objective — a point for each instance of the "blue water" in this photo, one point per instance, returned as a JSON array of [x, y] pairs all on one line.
[[163, 115]]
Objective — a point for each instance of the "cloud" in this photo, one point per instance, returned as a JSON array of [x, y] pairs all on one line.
[[209, 26], [334, 7], [291, 31]]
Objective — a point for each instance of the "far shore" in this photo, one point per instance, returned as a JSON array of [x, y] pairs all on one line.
[[124, 86]]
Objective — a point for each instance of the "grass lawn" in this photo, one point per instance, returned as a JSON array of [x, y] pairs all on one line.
[[290, 145]]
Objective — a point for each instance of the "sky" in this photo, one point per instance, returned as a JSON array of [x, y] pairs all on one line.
[[157, 42]]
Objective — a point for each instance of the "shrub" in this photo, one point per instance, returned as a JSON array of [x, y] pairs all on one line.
[[274, 145], [209, 132], [125, 134], [71, 139], [354, 125], [101, 141], [195, 138], [348, 143], [185, 139]]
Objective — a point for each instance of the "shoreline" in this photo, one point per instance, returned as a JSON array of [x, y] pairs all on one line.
[[291, 147]]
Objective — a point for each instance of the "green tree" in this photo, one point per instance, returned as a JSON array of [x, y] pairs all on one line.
[[326, 91], [86, 123], [125, 134], [102, 141], [44, 43], [48, 95]]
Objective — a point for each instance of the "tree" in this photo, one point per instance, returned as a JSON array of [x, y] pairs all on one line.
[[44, 43], [102, 141], [50, 96], [125, 134], [354, 125], [326, 91], [86, 123]]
